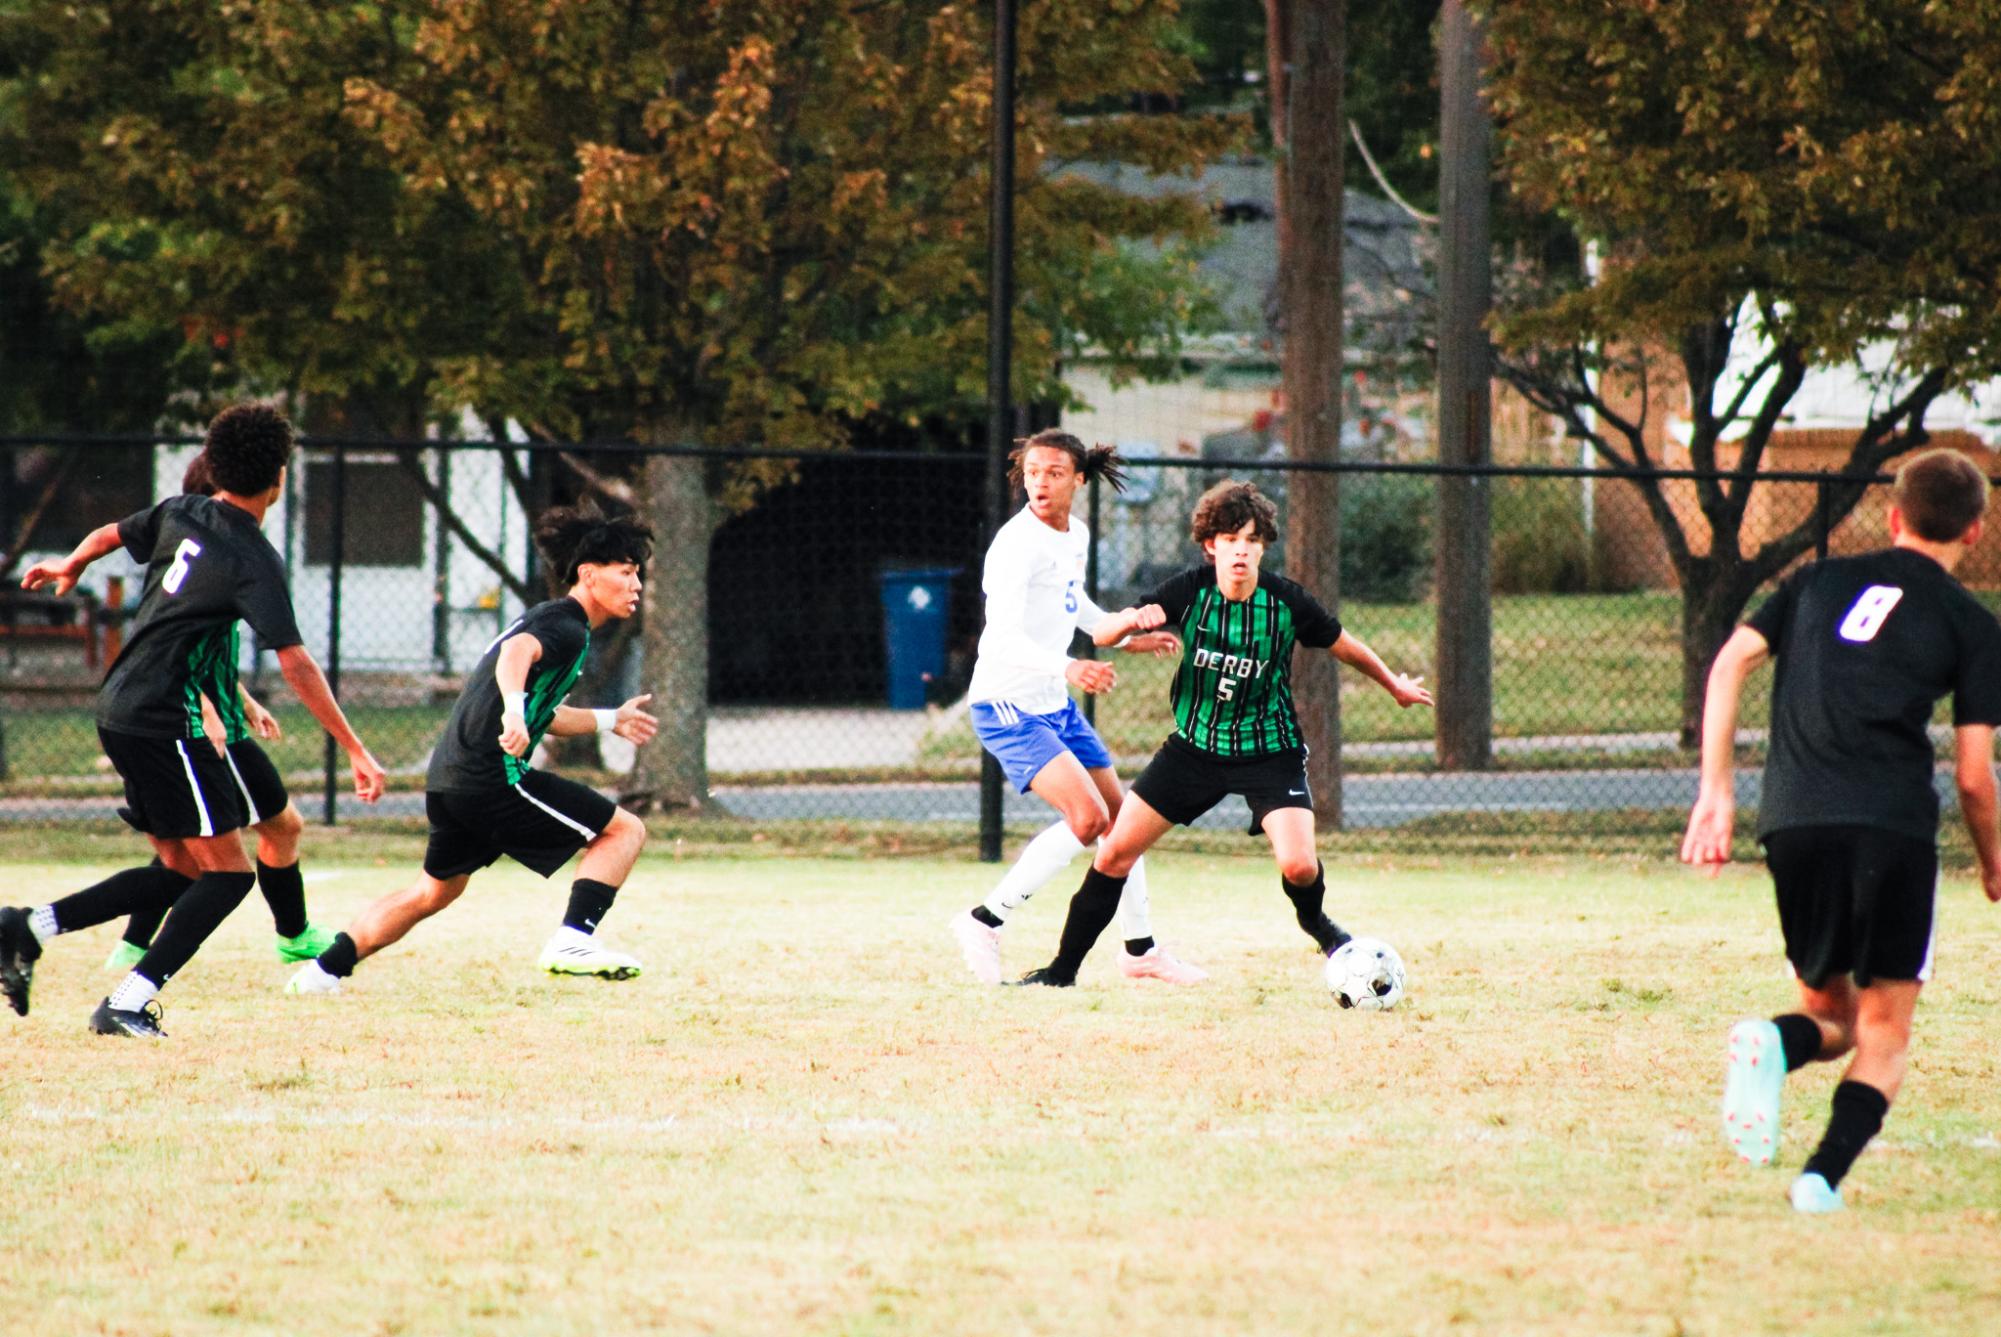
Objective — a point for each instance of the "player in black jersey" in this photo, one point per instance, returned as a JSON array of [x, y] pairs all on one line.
[[208, 566], [482, 796], [1865, 648], [1235, 729], [233, 721]]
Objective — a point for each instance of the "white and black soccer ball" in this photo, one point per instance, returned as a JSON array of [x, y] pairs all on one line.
[[1365, 973]]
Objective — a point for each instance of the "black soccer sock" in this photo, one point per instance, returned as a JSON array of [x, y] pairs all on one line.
[[1858, 1116], [1799, 1036], [1139, 946], [339, 960], [986, 916], [1091, 910], [198, 913], [143, 924], [1308, 904], [285, 892], [588, 902], [147, 891]]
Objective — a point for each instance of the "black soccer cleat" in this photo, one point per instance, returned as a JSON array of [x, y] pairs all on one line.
[[19, 950], [1046, 975], [1331, 936], [141, 1025]]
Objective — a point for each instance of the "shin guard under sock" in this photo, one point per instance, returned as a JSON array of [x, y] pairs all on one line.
[[1091, 909], [285, 892], [1858, 1116], [147, 891], [198, 913]]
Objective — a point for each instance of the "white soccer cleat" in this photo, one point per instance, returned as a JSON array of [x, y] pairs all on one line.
[[573, 953], [981, 945], [1156, 963], [1751, 1091], [311, 979]]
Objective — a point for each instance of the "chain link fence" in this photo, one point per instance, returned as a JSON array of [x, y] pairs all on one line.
[[844, 610]]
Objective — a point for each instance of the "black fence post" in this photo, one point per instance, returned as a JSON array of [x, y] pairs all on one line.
[[1821, 507], [334, 566]]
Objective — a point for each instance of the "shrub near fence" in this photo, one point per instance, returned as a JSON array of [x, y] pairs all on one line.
[[435, 558]]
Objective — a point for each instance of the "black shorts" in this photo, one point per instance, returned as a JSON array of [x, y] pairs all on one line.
[[1854, 900], [175, 787], [1182, 782], [538, 823], [263, 789]]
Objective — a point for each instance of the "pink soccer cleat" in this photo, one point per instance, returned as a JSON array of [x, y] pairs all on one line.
[[981, 945], [1157, 964]]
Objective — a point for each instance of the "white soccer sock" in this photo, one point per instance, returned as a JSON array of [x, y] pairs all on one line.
[[1135, 914], [1047, 855], [133, 992], [42, 923]]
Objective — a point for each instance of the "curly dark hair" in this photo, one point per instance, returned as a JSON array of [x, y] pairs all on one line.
[[1091, 461], [196, 481], [248, 447], [570, 536], [1228, 507]]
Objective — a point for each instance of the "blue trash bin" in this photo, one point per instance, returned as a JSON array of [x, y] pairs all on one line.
[[916, 609]]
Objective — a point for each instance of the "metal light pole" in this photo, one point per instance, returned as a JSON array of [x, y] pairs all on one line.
[[1000, 356]]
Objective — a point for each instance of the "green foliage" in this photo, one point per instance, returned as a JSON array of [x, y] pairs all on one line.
[[1540, 543], [1386, 550], [1836, 160]]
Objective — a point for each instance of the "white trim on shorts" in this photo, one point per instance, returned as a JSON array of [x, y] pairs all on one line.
[[564, 818], [188, 769], [249, 803]]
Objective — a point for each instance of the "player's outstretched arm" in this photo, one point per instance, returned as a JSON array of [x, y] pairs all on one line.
[[1973, 773], [303, 674], [1712, 824], [64, 574], [1137, 631], [1406, 691], [629, 721]]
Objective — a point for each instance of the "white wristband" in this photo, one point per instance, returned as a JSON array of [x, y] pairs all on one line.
[[607, 720], [514, 703]]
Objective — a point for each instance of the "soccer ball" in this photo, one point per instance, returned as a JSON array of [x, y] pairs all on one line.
[[1366, 973]]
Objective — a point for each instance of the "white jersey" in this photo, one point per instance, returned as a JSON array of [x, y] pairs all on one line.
[[1034, 586]]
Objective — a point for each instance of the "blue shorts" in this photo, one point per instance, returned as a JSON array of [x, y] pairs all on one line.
[[1023, 744]]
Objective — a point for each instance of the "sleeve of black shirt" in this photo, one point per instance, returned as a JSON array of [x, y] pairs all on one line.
[[264, 600], [1176, 594], [1976, 695], [1772, 615], [140, 533], [1313, 624]]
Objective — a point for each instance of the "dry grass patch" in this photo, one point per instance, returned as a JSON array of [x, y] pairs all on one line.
[[805, 1118]]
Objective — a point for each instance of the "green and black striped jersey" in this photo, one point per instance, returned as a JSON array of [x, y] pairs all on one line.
[[468, 758], [208, 567], [1232, 693]]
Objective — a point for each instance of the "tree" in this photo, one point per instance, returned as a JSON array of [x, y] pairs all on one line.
[[1774, 189], [668, 223], [1308, 45]]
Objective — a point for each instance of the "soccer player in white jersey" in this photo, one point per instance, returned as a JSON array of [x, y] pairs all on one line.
[[1035, 604]]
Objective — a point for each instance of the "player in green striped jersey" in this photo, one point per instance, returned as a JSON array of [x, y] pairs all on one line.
[[1235, 728]]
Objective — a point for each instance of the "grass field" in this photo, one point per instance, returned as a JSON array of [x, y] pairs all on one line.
[[806, 1118]]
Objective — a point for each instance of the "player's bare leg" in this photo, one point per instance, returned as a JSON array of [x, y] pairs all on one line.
[[1290, 831], [1097, 900], [607, 861], [1882, 1031], [1080, 800], [383, 921], [1140, 957]]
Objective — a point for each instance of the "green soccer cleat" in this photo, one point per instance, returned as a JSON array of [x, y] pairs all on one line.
[[124, 956], [311, 941]]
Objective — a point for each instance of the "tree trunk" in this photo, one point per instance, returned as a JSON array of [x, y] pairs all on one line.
[[1314, 51], [1712, 597], [1464, 690], [673, 771]]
